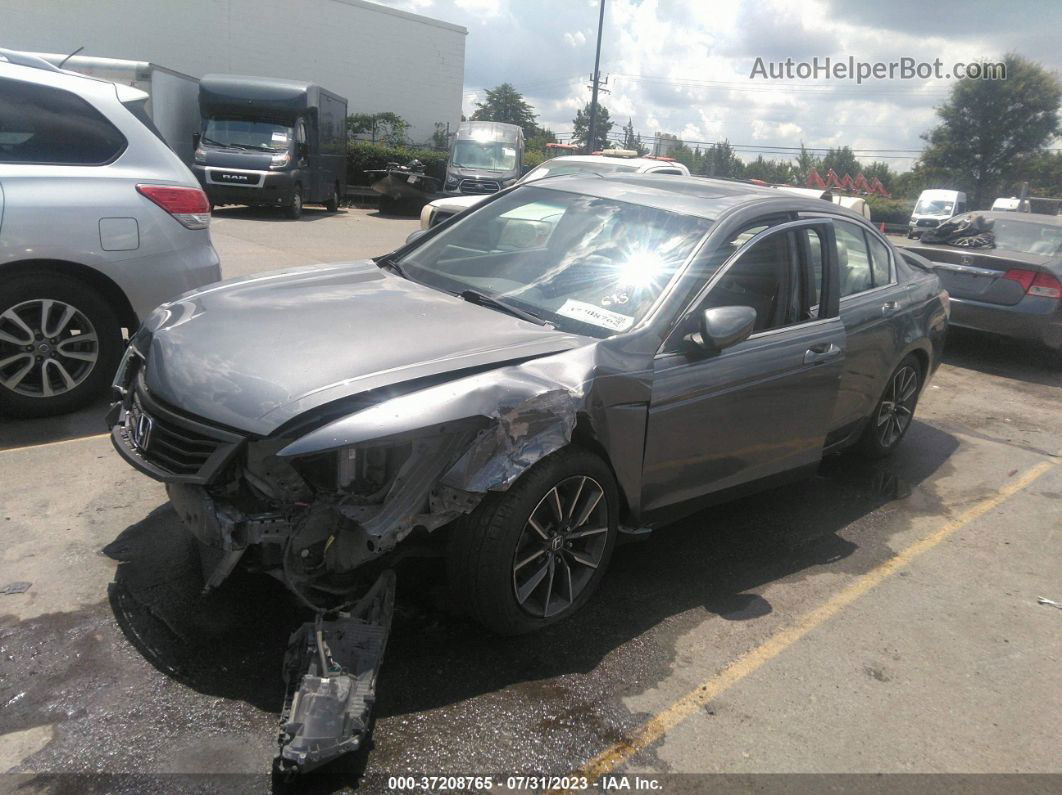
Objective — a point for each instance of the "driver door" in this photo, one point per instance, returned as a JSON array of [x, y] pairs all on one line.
[[762, 406]]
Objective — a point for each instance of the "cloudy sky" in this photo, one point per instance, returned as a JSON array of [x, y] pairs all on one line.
[[684, 67]]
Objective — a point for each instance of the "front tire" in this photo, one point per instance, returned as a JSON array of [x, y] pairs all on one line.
[[294, 210], [533, 555], [59, 345], [894, 412]]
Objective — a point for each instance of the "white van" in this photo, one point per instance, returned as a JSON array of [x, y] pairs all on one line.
[[933, 208]]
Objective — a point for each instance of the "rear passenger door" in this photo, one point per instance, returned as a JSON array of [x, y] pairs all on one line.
[[761, 406], [871, 305]]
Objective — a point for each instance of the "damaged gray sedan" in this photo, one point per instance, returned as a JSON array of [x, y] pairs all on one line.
[[515, 388]]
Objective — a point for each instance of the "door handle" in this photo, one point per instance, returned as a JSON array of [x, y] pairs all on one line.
[[821, 353], [889, 307]]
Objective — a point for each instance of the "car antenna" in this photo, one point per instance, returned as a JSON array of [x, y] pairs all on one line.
[[62, 63]]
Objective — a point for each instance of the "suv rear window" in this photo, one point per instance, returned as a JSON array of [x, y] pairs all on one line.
[[40, 124]]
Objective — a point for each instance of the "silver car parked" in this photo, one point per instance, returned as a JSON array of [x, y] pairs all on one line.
[[99, 223]]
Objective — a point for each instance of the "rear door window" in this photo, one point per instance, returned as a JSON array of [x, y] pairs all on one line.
[[45, 125], [879, 262], [853, 259]]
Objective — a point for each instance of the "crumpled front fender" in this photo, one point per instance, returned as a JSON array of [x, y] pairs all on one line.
[[521, 418]]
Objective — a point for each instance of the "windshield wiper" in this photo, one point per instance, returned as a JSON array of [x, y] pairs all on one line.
[[251, 147], [476, 297]]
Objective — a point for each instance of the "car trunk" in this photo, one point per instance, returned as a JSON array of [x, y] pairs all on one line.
[[981, 274]]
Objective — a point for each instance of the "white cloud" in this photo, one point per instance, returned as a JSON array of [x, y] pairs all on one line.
[[577, 39], [683, 68], [485, 8]]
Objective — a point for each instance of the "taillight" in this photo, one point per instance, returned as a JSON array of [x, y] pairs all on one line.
[[1046, 285], [1033, 283], [1022, 277], [188, 205]]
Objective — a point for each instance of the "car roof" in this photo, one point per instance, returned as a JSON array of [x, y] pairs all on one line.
[[640, 162], [700, 196], [33, 69]]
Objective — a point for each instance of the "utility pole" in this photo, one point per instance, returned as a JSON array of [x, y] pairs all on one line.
[[595, 82]]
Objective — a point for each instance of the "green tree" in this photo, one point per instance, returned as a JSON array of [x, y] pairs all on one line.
[[581, 128], [387, 128], [439, 139], [720, 161], [632, 140], [987, 127], [842, 161], [880, 170], [536, 142], [805, 161], [505, 104], [1043, 172]]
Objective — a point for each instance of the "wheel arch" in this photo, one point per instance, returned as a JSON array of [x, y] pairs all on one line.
[[108, 289], [583, 436]]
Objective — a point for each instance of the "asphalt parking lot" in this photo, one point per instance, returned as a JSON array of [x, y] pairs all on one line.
[[879, 618]]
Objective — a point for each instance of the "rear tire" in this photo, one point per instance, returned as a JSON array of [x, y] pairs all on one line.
[[332, 205], [48, 313], [894, 412], [496, 553]]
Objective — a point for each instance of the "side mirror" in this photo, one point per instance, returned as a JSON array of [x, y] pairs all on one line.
[[195, 140], [416, 234], [723, 326]]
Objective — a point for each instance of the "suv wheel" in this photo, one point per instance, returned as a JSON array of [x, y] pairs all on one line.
[[895, 410], [533, 555], [59, 345], [294, 210]]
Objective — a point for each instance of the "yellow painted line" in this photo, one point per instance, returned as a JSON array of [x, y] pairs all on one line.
[[751, 661], [54, 444]]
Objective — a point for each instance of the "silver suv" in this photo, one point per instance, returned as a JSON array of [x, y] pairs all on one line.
[[99, 223]]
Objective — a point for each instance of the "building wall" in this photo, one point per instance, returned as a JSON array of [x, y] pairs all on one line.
[[379, 58]]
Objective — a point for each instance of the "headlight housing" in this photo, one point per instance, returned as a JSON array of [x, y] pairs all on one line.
[[451, 180], [508, 182], [200, 155], [280, 159]]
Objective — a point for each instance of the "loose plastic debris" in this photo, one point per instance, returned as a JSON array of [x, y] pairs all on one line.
[[1045, 601], [16, 587]]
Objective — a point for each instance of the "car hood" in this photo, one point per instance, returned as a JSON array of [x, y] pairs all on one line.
[[254, 353], [456, 204]]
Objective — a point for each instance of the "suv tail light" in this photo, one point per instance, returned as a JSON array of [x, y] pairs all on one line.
[[1034, 283], [189, 206]]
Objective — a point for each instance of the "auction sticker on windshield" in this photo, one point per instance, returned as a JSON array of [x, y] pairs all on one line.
[[595, 315]]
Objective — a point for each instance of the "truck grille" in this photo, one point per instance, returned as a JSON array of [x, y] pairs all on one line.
[[169, 445], [479, 186]]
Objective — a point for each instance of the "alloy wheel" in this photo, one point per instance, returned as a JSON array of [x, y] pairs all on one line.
[[562, 544], [47, 348], [897, 406]]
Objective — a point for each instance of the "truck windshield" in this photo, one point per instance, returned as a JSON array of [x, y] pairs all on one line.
[[491, 156], [585, 264], [934, 207], [246, 134]]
